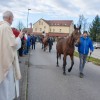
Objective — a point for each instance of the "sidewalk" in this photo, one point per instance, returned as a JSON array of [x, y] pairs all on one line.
[[23, 82]]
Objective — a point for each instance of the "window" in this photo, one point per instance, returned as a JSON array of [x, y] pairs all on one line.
[[60, 30], [35, 29], [40, 29], [53, 30], [50, 29], [39, 22]]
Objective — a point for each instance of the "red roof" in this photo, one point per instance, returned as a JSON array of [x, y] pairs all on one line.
[[28, 30], [59, 22], [53, 34], [37, 33], [58, 34]]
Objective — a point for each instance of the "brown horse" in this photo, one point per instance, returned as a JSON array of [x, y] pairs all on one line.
[[45, 42], [66, 47]]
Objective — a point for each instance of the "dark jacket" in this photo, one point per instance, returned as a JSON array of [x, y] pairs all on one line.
[[33, 39], [50, 41]]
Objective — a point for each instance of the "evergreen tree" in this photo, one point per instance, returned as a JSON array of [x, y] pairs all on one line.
[[95, 29]]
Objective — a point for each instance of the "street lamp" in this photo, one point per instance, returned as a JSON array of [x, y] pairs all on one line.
[[27, 17]]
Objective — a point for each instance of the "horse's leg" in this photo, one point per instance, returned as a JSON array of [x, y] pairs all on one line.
[[57, 60], [44, 47], [72, 63], [64, 64]]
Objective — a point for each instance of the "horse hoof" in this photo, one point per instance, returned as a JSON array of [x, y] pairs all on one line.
[[69, 70], [64, 73]]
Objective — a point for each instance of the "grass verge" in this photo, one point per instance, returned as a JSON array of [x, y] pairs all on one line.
[[96, 61]]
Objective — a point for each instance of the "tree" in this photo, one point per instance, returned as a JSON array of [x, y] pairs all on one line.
[[83, 22], [20, 26], [94, 29]]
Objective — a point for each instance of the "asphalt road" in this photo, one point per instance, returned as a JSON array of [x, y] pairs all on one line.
[[47, 82], [96, 53]]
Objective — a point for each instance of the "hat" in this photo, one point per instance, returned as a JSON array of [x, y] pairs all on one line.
[[85, 32]]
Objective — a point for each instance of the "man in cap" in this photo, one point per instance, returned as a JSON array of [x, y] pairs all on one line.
[[83, 49]]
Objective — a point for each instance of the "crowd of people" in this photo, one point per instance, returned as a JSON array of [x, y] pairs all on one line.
[[27, 42]]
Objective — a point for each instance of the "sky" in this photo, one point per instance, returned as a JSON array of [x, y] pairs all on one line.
[[50, 10]]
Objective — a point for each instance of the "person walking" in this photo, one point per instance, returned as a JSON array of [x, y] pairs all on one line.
[[28, 43], [33, 41], [83, 48], [9, 64], [50, 42]]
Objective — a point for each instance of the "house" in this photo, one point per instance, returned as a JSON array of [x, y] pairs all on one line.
[[55, 28], [28, 30]]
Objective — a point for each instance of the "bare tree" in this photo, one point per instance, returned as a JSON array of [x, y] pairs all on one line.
[[20, 26], [83, 22]]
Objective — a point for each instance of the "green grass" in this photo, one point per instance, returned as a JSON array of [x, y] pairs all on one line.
[[90, 59]]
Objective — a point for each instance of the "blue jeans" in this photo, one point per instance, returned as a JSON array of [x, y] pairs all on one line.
[[82, 62], [25, 51]]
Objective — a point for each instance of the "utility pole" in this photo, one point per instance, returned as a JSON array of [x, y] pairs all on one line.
[[27, 16]]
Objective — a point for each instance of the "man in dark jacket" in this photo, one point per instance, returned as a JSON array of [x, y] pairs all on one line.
[[50, 42], [83, 49], [33, 40]]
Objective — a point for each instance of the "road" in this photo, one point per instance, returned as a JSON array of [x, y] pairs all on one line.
[[96, 53], [47, 82]]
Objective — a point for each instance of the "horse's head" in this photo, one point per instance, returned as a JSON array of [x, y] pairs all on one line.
[[76, 34]]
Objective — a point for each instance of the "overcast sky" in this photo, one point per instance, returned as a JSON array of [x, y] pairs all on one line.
[[50, 9]]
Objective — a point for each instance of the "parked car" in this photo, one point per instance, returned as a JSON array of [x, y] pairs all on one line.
[[96, 45]]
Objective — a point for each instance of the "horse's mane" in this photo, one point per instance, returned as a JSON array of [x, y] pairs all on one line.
[[70, 40], [60, 38]]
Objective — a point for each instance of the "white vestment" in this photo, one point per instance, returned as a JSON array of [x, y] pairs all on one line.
[[9, 86]]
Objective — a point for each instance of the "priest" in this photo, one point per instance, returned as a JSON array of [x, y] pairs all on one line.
[[9, 65]]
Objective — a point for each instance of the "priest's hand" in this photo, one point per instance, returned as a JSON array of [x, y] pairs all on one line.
[[21, 34]]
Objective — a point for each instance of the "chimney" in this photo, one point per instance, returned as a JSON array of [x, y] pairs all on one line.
[[30, 25], [31, 30]]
